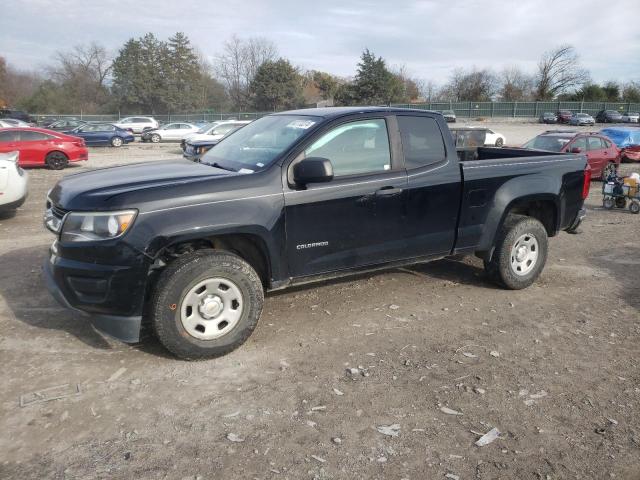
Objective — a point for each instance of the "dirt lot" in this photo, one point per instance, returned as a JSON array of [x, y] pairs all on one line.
[[562, 383]]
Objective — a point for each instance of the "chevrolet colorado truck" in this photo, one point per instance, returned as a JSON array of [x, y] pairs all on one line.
[[190, 248]]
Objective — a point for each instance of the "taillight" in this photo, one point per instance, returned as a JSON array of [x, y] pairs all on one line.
[[587, 182]]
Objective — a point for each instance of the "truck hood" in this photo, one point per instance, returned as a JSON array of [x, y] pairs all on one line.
[[97, 189]]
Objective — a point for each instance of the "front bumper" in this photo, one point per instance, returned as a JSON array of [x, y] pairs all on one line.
[[93, 290]]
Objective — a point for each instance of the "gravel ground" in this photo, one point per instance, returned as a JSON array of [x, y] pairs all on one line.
[[439, 356]]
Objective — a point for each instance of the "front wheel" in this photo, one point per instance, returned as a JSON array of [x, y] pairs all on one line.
[[499, 142], [155, 138], [116, 142], [520, 253], [206, 304], [634, 207]]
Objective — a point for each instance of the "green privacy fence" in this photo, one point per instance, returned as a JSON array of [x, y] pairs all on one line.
[[521, 109], [462, 109]]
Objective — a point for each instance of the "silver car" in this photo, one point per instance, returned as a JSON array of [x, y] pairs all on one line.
[[631, 117], [137, 124], [171, 132], [582, 119]]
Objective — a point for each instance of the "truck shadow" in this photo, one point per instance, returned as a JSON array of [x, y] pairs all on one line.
[[624, 264], [24, 292]]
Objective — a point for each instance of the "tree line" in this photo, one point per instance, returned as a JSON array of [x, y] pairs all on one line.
[[155, 76]]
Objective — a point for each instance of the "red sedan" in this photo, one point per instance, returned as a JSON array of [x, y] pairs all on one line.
[[40, 147]]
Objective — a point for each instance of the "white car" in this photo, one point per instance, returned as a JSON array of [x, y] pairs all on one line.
[[137, 124], [172, 132], [494, 138], [12, 122], [215, 130], [13, 182], [631, 117]]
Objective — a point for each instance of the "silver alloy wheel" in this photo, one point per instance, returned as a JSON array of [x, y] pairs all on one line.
[[155, 138], [524, 254], [116, 141], [211, 308]]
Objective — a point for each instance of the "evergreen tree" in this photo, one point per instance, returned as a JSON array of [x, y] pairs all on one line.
[[374, 83], [277, 85]]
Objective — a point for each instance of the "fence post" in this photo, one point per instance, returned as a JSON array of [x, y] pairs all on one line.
[[582, 105], [515, 107], [535, 109], [492, 104]]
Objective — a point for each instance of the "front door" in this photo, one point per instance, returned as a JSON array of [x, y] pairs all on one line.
[[353, 220]]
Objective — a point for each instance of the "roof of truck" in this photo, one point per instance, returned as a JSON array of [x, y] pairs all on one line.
[[332, 112]]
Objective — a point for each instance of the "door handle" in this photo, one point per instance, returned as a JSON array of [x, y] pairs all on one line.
[[388, 191]]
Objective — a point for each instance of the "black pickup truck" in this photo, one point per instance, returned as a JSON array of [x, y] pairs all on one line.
[[294, 197]]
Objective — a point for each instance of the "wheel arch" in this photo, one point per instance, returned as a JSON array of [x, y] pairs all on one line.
[[531, 196]]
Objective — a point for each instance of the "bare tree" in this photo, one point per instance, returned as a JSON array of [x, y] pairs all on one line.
[[559, 70], [476, 85], [82, 72], [16, 85], [238, 64], [515, 85], [428, 90]]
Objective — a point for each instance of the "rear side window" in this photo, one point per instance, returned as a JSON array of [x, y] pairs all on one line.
[[10, 136], [607, 143], [595, 143], [421, 141], [33, 136]]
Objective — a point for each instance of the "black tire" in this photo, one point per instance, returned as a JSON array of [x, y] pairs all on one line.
[[608, 203], [155, 138], [56, 160], [116, 142], [499, 268], [499, 142], [621, 202], [634, 207], [179, 278]]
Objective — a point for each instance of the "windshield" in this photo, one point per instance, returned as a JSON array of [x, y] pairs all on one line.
[[257, 145], [547, 142], [206, 127]]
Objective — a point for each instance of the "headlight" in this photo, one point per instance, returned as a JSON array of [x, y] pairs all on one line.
[[94, 226]]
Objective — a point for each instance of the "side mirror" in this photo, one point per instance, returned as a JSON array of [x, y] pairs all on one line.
[[313, 170], [576, 150]]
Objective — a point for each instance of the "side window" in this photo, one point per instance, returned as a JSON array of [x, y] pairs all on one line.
[[355, 148], [580, 143], [607, 143], [421, 141], [595, 143], [33, 136], [222, 129], [10, 136]]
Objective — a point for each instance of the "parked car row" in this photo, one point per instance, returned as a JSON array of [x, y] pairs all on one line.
[[581, 118]]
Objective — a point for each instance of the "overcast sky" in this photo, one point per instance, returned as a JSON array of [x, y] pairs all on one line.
[[429, 37]]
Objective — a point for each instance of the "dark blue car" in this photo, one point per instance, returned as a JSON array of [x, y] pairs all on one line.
[[102, 134]]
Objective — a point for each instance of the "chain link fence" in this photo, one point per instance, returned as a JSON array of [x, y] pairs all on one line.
[[461, 109]]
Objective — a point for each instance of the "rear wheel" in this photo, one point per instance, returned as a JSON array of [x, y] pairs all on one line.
[[499, 142], [520, 253], [206, 304], [621, 202], [56, 160], [116, 142], [634, 207]]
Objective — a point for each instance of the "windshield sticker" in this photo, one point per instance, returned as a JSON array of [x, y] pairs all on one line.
[[260, 165], [304, 124], [245, 170]]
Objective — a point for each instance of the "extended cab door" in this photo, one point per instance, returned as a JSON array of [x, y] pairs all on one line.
[[354, 220], [433, 186]]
